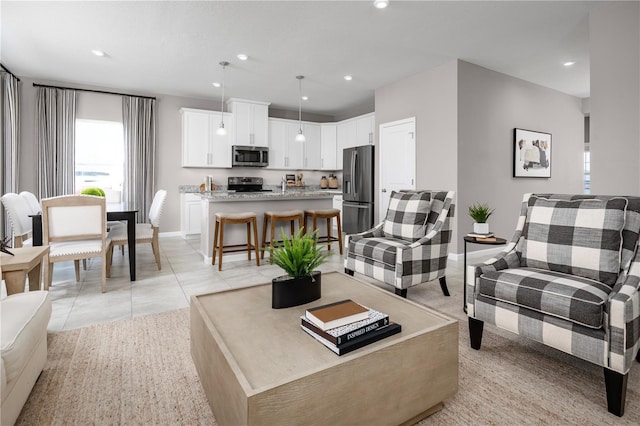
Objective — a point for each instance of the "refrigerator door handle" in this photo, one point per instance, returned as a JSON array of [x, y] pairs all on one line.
[[354, 162], [355, 206]]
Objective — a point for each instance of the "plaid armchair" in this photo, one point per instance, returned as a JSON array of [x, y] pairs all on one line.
[[410, 246], [569, 279]]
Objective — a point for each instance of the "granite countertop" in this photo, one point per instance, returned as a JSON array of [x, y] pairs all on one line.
[[275, 194]]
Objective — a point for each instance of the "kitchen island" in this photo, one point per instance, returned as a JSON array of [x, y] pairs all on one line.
[[258, 202]]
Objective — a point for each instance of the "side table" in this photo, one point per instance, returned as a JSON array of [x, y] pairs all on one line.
[[25, 262], [474, 240]]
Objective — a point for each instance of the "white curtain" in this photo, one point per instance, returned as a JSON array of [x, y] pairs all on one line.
[[139, 123], [55, 138], [10, 134]]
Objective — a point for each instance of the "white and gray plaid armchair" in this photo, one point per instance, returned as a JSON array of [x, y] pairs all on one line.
[[569, 279], [410, 246]]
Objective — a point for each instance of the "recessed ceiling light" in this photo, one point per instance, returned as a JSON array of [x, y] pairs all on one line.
[[348, 77], [381, 4], [569, 63], [242, 57], [216, 84], [305, 98], [97, 52]]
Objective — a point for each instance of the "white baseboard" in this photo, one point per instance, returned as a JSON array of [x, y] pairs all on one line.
[[487, 254], [169, 234]]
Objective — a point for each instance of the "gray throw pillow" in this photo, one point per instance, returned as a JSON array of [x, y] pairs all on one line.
[[580, 237], [407, 215]]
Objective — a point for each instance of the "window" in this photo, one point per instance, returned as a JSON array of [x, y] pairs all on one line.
[[587, 156], [100, 157]]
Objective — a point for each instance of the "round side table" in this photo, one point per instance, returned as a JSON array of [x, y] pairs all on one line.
[[498, 241]]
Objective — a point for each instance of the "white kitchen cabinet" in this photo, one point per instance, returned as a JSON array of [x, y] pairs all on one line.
[[251, 122], [312, 146], [364, 129], [346, 132], [190, 215], [277, 144], [294, 149], [201, 146], [328, 146]]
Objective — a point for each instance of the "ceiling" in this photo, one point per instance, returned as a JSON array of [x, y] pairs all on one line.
[[175, 48]]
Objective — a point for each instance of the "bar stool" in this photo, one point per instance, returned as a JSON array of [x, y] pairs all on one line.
[[282, 216], [223, 219], [325, 214]]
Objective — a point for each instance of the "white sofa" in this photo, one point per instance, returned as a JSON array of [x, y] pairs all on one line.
[[23, 338]]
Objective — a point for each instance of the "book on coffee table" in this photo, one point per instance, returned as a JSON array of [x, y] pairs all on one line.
[[350, 331], [358, 342], [336, 314]]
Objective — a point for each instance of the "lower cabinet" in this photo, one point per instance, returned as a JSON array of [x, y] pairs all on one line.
[[190, 215]]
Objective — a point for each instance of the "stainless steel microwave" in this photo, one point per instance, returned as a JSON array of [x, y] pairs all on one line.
[[249, 156]]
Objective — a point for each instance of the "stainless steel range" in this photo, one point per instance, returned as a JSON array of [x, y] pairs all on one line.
[[245, 184]]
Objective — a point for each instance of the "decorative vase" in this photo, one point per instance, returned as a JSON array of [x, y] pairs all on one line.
[[287, 292], [481, 228]]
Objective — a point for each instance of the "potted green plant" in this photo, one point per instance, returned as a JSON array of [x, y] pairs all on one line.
[[99, 192], [299, 256], [480, 213]]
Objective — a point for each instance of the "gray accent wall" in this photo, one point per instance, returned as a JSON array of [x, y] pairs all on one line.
[[490, 106], [465, 116], [614, 30]]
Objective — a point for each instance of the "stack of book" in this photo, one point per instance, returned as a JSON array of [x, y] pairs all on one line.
[[346, 325], [488, 237]]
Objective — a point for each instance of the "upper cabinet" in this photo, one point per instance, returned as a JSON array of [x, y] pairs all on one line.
[[251, 122], [286, 153], [356, 131], [328, 146], [201, 146], [364, 129], [312, 146]]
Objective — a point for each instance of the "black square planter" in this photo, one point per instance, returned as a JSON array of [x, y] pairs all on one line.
[[287, 292]]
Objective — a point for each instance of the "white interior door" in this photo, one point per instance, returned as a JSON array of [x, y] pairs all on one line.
[[397, 159]]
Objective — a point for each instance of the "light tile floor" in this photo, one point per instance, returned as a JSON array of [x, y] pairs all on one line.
[[184, 273]]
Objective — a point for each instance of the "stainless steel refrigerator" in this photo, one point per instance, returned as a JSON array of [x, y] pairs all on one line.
[[357, 189]]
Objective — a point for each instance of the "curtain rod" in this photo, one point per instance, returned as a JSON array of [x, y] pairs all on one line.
[[7, 70], [93, 91]]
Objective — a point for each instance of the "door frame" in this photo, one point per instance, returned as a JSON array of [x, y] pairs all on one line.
[[381, 127]]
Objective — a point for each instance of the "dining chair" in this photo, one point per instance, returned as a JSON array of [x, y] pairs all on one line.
[[145, 232], [33, 202], [75, 228], [18, 211]]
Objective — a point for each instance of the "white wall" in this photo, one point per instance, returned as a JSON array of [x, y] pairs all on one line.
[[490, 106], [170, 174], [615, 98]]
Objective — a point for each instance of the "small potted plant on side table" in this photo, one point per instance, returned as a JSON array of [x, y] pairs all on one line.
[[480, 214], [299, 256]]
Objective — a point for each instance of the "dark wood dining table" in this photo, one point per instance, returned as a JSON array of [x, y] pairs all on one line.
[[115, 212]]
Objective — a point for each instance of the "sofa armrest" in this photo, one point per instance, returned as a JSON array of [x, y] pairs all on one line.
[[624, 320]]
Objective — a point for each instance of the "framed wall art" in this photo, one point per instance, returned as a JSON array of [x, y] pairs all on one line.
[[531, 154]]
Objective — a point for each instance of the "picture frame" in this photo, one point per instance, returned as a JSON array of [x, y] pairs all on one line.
[[531, 154]]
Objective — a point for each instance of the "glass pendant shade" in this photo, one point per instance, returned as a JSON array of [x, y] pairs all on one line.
[[300, 136], [221, 131]]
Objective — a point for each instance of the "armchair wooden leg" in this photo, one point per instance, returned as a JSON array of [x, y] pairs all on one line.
[[616, 386], [348, 271], [402, 292], [475, 332], [443, 286]]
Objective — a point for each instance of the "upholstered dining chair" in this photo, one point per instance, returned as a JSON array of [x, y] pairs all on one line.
[[33, 202], [145, 232], [75, 228], [410, 246], [18, 211]]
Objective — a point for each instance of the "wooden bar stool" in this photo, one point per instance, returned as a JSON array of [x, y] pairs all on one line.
[[223, 219], [282, 216], [327, 214]]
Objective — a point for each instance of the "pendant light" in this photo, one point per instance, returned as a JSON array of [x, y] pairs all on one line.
[[300, 136], [221, 130]]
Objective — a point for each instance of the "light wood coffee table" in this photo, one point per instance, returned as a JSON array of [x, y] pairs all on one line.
[[258, 367]]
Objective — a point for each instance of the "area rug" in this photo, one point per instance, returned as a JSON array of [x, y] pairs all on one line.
[[139, 371]]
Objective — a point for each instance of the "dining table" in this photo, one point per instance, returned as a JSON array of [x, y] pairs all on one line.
[[115, 212]]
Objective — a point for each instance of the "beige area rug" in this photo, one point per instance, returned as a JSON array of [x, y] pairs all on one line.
[[140, 371]]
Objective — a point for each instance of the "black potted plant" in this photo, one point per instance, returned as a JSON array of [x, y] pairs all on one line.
[[299, 256]]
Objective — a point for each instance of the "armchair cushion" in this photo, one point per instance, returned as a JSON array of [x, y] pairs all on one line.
[[576, 299], [579, 237], [407, 215], [377, 251]]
